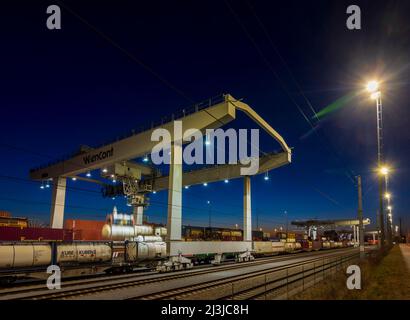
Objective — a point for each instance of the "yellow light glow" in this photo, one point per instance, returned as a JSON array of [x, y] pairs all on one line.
[[387, 196], [384, 171], [372, 86], [389, 207]]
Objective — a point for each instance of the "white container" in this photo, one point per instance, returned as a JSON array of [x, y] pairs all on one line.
[[24, 255]]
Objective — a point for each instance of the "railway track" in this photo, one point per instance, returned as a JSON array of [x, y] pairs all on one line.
[[260, 290], [81, 288]]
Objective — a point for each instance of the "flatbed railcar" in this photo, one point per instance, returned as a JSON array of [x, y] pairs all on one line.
[[75, 258]]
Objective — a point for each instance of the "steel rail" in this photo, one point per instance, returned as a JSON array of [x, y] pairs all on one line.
[[109, 283]]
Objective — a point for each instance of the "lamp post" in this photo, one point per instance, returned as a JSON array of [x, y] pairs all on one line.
[[360, 216], [373, 88], [389, 214], [384, 172]]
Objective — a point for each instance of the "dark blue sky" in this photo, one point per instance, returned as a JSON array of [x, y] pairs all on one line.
[[61, 89]]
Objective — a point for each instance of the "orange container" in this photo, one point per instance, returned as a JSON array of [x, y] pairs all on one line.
[[85, 229]]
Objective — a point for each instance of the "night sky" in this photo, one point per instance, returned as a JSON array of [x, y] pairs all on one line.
[[118, 65]]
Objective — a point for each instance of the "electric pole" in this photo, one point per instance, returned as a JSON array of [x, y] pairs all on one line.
[[360, 216]]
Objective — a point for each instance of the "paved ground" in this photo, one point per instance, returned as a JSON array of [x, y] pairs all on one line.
[[405, 250]]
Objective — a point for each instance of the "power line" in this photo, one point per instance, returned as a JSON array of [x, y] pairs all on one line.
[[280, 57], [126, 52], [266, 61], [268, 64], [87, 190], [77, 189]]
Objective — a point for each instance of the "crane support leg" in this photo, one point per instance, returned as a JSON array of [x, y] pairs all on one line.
[[58, 202], [175, 194], [247, 214]]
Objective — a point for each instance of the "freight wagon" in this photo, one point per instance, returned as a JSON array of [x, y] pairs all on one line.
[[193, 233], [31, 259], [266, 248]]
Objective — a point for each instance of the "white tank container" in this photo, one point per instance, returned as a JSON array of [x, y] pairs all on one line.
[[148, 239], [24, 255], [142, 230], [160, 231], [117, 232], [81, 253], [278, 247], [145, 250]]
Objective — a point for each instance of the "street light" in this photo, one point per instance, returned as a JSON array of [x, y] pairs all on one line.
[[373, 87], [384, 171]]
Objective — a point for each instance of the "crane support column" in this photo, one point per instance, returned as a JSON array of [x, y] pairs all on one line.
[[247, 213], [175, 193], [138, 215], [58, 202]]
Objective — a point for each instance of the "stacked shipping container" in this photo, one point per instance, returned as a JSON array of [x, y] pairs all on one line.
[[85, 229], [36, 234]]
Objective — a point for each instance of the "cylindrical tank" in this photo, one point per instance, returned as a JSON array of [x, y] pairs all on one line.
[[160, 231], [83, 252], [145, 250], [24, 255], [151, 250], [143, 230], [278, 247], [148, 239], [117, 232], [325, 245]]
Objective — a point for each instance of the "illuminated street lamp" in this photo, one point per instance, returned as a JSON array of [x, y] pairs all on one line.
[[373, 87], [384, 171]]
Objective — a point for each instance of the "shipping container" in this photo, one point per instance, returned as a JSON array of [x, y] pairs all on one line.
[[85, 229], [36, 234]]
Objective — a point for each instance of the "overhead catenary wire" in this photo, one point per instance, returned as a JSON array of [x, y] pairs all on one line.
[[160, 203], [350, 174], [265, 31], [93, 192], [125, 52]]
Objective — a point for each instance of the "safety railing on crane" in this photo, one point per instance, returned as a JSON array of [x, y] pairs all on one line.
[[175, 116]]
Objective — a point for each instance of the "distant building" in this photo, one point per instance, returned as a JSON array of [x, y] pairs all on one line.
[[5, 214], [6, 220]]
